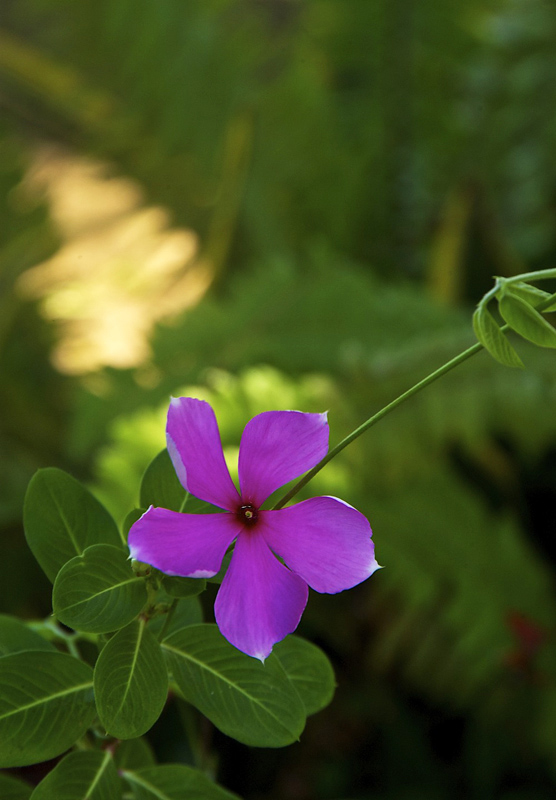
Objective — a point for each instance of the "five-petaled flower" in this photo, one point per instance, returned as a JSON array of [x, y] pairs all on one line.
[[323, 542]]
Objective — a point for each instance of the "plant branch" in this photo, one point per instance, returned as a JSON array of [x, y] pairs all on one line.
[[434, 376]]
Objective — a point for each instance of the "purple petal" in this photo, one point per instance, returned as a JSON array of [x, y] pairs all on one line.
[[324, 540], [276, 447], [190, 545], [260, 600], [195, 448]]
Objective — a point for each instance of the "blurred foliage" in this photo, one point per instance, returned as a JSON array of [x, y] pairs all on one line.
[[396, 105], [24, 429], [355, 173]]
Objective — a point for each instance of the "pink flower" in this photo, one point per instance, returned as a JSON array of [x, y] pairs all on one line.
[[324, 542]]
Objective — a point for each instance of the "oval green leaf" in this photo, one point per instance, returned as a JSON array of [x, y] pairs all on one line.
[[183, 587], [174, 782], [15, 637], [309, 670], [160, 485], [61, 518], [134, 754], [131, 682], [526, 321], [254, 703], [188, 612], [46, 704], [531, 294], [492, 338], [14, 789], [131, 518], [98, 592], [81, 776]]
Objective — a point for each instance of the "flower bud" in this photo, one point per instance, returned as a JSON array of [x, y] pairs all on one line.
[[141, 569]]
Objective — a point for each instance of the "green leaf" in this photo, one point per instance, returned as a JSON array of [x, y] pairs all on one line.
[[174, 782], [188, 612], [134, 754], [15, 637], [492, 338], [131, 519], [61, 518], [309, 670], [98, 592], [531, 294], [526, 321], [253, 702], [46, 704], [81, 776], [183, 587], [160, 485], [14, 789], [131, 682]]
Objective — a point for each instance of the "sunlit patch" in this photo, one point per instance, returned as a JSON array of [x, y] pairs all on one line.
[[120, 268]]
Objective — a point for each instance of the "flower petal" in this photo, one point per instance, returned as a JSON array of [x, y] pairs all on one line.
[[324, 540], [276, 447], [189, 545], [195, 448], [260, 600]]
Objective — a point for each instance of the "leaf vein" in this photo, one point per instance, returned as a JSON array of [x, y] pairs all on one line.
[[46, 699]]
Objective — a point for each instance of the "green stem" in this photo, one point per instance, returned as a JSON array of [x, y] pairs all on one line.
[[490, 294], [168, 620], [540, 275], [438, 373], [454, 362], [52, 629]]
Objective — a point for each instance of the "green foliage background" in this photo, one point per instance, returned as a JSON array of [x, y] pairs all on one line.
[[356, 173]]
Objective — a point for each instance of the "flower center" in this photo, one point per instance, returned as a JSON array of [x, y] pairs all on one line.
[[248, 514]]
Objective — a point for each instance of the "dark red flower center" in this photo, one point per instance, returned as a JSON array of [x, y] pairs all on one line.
[[248, 514]]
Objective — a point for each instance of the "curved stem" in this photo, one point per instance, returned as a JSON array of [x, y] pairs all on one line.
[[454, 362], [168, 619], [490, 294], [540, 275], [438, 373]]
